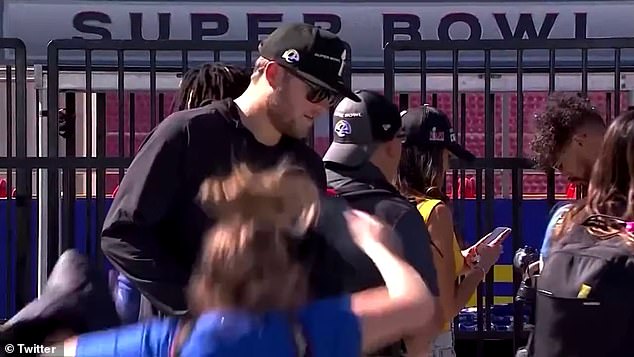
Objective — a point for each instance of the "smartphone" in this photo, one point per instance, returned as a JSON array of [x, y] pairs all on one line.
[[497, 236]]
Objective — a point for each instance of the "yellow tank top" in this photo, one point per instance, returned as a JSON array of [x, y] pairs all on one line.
[[425, 207]]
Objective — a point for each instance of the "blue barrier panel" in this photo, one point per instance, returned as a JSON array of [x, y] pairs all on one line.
[[8, 247], [534, 221], [534, 224]]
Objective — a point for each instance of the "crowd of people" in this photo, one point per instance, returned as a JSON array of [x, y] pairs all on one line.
[[232, 237]]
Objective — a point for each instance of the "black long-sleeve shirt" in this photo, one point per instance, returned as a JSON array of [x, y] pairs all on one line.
[[153, 230]]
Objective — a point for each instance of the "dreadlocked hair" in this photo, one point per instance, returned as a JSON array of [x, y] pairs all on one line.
[[212, 81], [564, 114]]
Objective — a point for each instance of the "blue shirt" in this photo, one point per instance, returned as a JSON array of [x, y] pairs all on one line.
[[559, 212], [127, 300], [330, 329]]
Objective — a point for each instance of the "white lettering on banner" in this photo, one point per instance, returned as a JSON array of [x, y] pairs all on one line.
[[366, 27]]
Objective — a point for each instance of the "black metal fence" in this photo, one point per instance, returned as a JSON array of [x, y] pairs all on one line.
[[60, 240], [488, 67], [18, 257], [60, 205], [65, 238]]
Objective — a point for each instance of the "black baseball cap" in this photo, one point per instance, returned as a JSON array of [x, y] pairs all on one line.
[[359, 127], [313, 54], [427, 127]]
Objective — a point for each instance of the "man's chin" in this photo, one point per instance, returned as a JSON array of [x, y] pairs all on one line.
[[299, 134]]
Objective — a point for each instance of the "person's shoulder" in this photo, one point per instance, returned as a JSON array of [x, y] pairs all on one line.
[[390, 199], [394, 207], [173, 125], [183, 127], [560, 208], [332, 327], [201, 125], [239, 333], [426, 203], [216, 332], [440, 212], [314, 314], [410, 221], [216, 116]]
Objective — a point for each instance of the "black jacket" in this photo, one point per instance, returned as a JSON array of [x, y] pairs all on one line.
[[380, 198], [152, 232]]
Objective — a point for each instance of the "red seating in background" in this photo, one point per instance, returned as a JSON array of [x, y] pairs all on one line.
[[534, 102], [3, 188], [571, 191]]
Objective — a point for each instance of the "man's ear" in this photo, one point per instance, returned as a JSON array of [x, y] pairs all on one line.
[[580, 138], [393, 147], [273, 74]]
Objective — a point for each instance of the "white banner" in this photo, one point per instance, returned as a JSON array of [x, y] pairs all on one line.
[[366, 26]]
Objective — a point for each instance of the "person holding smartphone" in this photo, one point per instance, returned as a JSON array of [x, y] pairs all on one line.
[[428, 140]]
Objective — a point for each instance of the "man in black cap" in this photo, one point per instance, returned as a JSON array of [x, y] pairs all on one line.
[[361, 165], [153, 230]]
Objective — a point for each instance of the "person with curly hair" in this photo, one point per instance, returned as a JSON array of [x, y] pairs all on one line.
[[587, 281], [569, 133]]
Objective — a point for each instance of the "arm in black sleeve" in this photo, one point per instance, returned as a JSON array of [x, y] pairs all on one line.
[[144, 198], [416, 245]]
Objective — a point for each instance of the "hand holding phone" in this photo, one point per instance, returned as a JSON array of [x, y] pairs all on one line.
[[497, 236], [488, 249]]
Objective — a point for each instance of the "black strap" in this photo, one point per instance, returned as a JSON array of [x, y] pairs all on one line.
[[362, 189], [368, 192], [205, 102]]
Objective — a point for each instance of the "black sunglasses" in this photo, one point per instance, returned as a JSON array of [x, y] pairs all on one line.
[[317, 93]]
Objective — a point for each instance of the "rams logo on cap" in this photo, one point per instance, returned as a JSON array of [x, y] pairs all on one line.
[[291, 56], [343, 128], [435, 135]]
